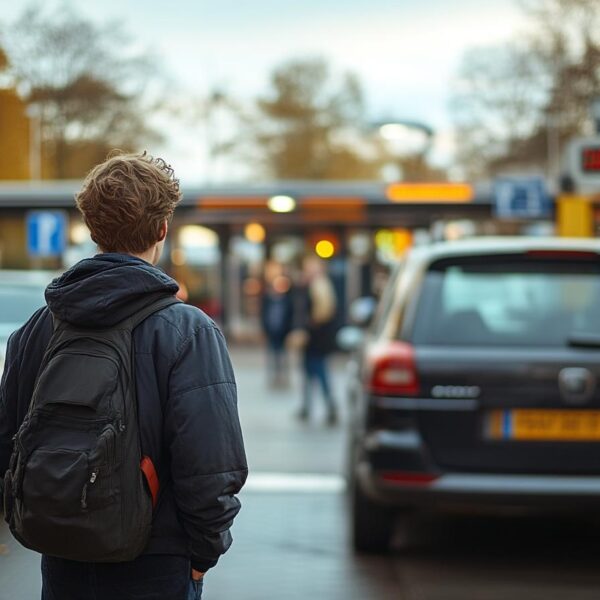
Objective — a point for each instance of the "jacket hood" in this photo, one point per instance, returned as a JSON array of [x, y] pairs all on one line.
[[106, 289]]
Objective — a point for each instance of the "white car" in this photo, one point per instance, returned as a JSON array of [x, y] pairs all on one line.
[[21, 294]]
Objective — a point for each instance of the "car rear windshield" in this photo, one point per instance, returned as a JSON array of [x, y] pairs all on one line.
[[508, 301]]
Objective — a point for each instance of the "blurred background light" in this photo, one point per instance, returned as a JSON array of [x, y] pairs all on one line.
[[383, 238], [255, 233], [359, 245], [178, 257], [456, 230], [392, 131], [281, 204], [79, 233], [324, 249], [196, 236], [392, 243]]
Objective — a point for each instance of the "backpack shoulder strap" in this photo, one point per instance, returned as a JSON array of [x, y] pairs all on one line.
[[162, 302]]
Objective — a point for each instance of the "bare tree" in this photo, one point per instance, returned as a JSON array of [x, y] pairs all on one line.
[[84, 84], [497, 100], [517, 104]]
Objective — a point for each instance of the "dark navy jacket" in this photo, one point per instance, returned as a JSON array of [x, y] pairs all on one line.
[[186, 392]]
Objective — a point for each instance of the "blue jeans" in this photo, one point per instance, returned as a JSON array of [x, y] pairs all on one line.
[[149, 577], [277, 359], [195, 590], [315, 369]]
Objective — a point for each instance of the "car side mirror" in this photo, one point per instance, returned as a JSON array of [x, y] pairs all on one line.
[[362, 310], [350, 338]]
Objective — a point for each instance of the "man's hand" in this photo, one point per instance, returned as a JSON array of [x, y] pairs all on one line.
[[197, 575]]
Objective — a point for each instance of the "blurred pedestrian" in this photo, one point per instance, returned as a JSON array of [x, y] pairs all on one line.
[[128, 452], [277, 311], [315, 316]]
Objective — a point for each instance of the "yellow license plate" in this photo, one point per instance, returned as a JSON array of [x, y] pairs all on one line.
[[544, 425]]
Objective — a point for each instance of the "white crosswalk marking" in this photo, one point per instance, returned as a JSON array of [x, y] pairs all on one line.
[[294, 483]]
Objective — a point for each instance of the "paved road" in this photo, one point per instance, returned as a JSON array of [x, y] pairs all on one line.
[[291, 539]]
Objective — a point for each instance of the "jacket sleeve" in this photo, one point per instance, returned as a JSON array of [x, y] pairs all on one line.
[[9, 392], [202, 429]]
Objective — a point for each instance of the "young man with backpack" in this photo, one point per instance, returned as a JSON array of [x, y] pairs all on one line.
[[121, 452]]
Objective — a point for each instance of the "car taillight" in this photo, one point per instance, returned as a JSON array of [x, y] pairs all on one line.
[[392, 370], [407, 477], [558, 254]]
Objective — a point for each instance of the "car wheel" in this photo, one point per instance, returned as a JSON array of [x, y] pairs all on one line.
[[372, 524]]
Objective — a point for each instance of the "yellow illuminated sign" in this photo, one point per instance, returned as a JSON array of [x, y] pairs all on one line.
[[430, 192]]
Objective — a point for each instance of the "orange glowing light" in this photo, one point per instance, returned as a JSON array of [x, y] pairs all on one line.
[[430, 192], [255, 233]]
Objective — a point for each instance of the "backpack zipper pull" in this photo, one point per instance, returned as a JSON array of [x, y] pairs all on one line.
[[92, 479]]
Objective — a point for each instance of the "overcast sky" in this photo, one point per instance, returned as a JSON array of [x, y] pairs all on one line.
[[405, 52]]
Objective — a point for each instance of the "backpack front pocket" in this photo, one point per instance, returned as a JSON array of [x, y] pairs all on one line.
[[54, 482]]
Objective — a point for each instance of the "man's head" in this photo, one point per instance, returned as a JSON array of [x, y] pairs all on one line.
[[127, 203]]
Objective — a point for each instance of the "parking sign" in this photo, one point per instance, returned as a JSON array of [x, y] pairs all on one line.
[[46, 232], [521, 198]]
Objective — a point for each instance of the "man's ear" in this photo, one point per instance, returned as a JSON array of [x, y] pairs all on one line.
[[162, 233]]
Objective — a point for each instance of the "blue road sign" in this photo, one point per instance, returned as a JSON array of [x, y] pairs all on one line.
[[46, 232], [521, 198]]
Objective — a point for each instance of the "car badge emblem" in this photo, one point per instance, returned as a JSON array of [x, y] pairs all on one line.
[[577, 385], [456, 391]]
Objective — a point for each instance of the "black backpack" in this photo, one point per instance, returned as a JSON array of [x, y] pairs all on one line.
[[75, 487]]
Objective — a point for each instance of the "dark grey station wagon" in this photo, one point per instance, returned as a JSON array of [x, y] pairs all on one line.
[[477, 383]]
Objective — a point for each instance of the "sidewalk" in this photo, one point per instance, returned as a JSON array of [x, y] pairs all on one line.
[[276, 442]]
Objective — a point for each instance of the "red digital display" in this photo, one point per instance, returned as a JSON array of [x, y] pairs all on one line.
[[590, 159]]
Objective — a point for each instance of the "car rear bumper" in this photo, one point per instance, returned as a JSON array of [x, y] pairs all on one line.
[[395, 469], [532, 491]]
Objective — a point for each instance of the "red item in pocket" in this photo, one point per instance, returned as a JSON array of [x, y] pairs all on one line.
[[147, 467]]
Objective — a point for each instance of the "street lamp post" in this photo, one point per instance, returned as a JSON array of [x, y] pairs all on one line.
[[395, 131], [595, 111]]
